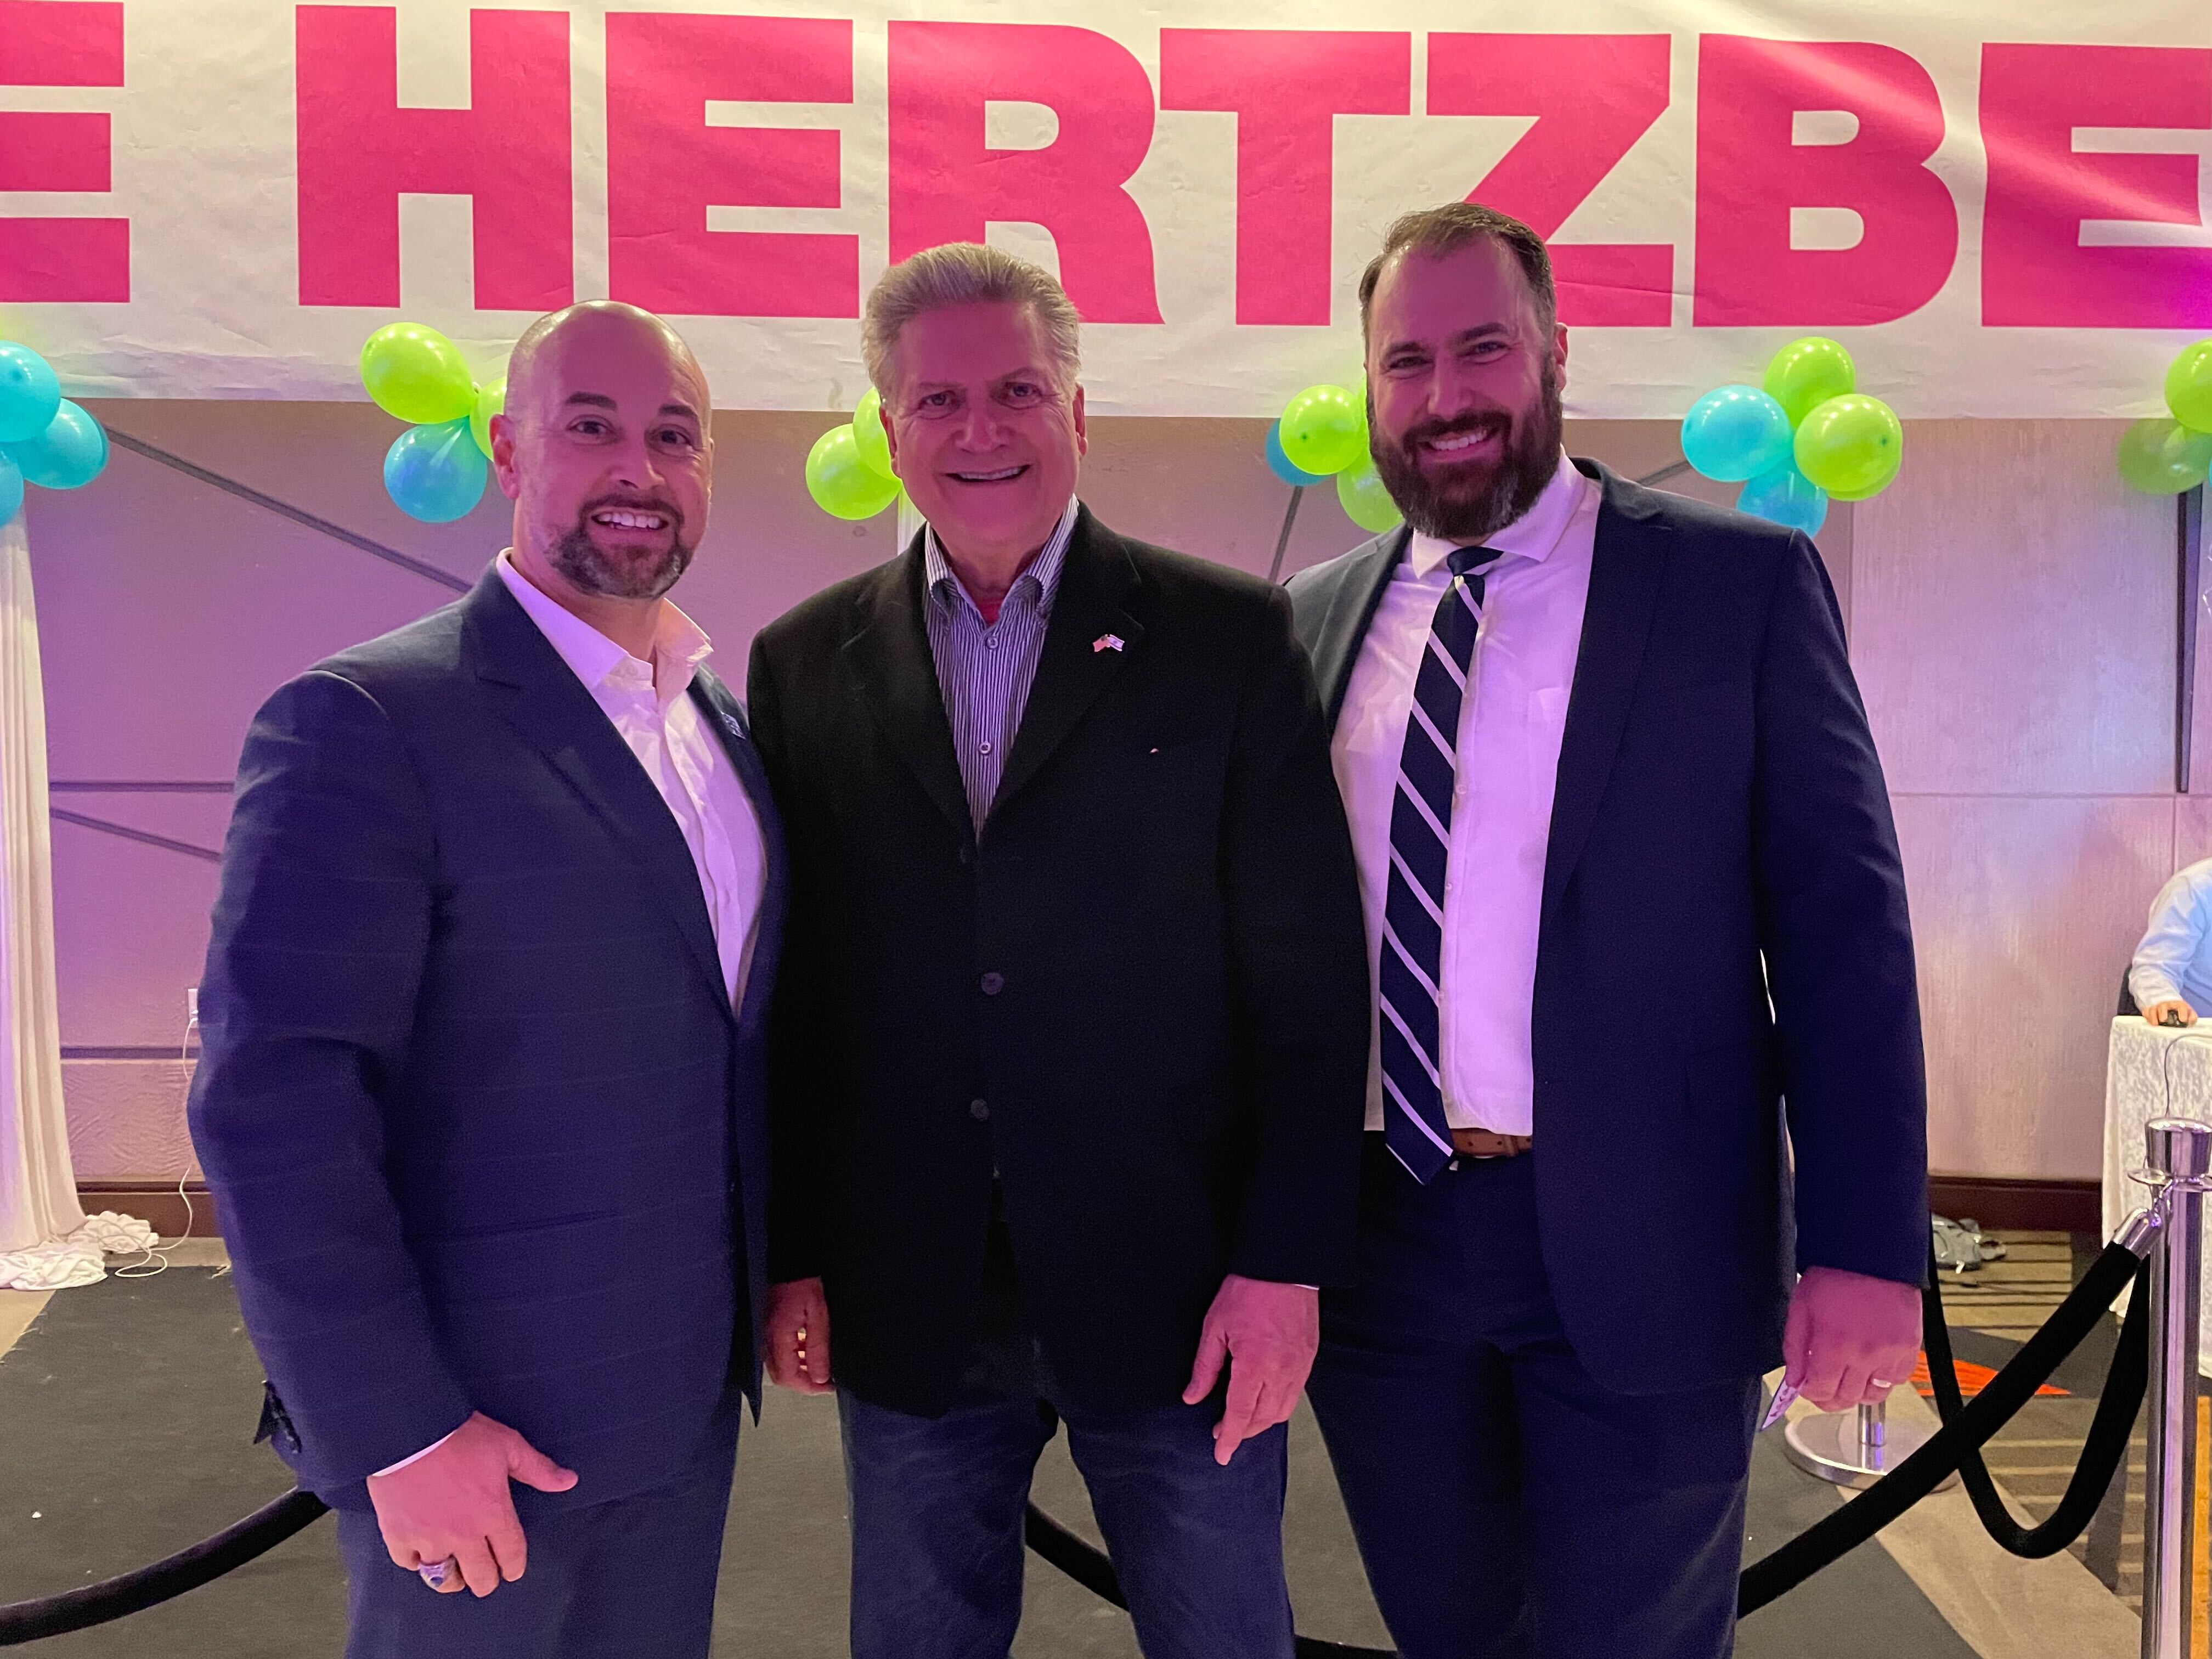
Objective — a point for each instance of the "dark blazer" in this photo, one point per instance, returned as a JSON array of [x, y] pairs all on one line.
[[1719, 807], [486, 1132], [1140, 996]]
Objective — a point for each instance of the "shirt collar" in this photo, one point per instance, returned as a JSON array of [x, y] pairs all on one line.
[[1531, 536], [678, 647], [944, 587]]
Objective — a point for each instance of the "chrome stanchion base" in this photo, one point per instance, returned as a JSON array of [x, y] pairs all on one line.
[[1853, 1448]]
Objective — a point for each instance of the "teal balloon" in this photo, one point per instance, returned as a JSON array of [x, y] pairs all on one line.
[[1284, 467], [435, 473], [29, 394], [11, 489], [69, 454], [1735, 433], [1787, 496]]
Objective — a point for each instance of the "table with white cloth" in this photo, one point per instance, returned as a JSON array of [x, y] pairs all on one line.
[[2153, 1072]]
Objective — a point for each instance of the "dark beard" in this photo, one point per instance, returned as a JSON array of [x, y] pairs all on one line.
[[1474, 508], [579, 559]]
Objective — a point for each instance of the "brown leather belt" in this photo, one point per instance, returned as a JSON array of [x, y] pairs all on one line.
[[1483, 1143]]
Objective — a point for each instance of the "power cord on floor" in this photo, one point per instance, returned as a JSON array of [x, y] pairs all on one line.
[[155, 1258]]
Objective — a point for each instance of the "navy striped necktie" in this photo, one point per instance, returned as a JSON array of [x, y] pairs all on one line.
[[1420, 839]]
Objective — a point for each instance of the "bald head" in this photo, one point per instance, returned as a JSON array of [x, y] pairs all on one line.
[[604, 447]]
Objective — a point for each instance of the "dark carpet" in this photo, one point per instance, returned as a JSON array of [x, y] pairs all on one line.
[[126, 1414]]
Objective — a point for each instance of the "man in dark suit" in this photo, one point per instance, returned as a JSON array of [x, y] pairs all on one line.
[[1066, 1061], [1635, 903], [482, 1088]]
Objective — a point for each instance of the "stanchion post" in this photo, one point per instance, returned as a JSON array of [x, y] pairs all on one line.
[[2182, 1150]]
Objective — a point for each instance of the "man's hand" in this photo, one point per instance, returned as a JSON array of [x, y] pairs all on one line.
[[1267, 1335], [1850, 1338], [2182, 1013], [455, 1504], [798, 1336]]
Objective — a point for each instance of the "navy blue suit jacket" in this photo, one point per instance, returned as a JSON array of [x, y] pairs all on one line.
[[486, 1132], [1721, 836]]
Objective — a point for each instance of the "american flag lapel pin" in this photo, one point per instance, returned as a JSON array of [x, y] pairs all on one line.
[[1107, 642], [736, 730]]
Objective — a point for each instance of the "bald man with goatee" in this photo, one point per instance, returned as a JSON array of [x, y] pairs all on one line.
[[481, 1088]]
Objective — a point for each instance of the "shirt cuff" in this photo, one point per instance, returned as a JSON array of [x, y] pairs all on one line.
[[394, 1469]]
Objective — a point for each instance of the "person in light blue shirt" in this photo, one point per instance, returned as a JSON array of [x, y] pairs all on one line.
[[2170, 978]]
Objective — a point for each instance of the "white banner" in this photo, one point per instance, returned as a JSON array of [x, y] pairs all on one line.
[[222, 198]]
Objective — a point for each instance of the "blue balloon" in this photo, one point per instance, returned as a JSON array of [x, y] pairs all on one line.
[[11, 489], [29, 394], [435, 473], [70, 453], [1734, 434], [1786, 495], [1281, 464]]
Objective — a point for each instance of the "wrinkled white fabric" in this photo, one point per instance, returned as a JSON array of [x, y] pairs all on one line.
[[38, 1188], [60, 1264]]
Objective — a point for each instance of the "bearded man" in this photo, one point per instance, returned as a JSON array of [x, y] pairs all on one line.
[[1631, 885], [482, 1087]]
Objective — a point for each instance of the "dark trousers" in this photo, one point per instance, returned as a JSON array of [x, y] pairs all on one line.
[[629, 1579], [937, 1506], [1506, 1505]]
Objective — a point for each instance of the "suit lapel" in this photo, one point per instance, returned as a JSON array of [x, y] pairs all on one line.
[[1073, 668], [727, 718], [1359, 590], [1627, 569], [891, 662], [548, 705]]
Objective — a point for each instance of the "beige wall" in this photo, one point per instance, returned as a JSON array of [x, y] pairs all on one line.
[[2011, 612]]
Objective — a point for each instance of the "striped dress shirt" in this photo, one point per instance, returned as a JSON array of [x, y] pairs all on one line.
[[984, 670]]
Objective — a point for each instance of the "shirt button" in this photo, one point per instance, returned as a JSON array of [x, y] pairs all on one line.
[[990, 641], [979, 1109], [994, 983], [987, 748]]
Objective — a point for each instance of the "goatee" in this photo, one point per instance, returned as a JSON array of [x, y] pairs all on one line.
[[588, 566], [1474, 501]]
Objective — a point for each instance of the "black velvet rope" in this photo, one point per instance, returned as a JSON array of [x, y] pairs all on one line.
[[1957, 1446]]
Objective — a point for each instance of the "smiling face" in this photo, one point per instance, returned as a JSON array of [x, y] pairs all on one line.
[[604, 450], [985, 430], [1463, 380]]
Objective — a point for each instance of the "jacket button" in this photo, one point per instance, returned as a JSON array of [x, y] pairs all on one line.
[[979, 1109], [967, 854], [994, 983]]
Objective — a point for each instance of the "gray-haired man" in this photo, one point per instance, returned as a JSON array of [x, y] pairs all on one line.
[[1068, 1059]]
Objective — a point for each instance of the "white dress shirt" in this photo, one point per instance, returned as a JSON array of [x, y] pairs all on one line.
[[2172, 964], [1508, 764], [649, 704]]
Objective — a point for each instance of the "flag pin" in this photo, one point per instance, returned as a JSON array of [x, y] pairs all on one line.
[[1107, 642], [731, 721]]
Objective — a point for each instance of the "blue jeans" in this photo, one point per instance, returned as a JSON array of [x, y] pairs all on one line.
[[937, 1527]]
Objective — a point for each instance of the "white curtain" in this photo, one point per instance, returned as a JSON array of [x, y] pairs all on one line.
[[45, 1240]]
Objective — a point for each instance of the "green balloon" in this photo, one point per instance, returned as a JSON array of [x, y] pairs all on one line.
[[1359, 491], [2164, 458], [2189, 386], [490, 400], [841, 484], [1806, 373], [416, 372], [868, 433], [1324, 429], [1851, 446]]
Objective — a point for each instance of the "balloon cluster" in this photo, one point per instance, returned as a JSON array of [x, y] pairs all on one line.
[[45, 438], [2162, 456], [435, 470], [848, 471], [1323, 434], [1801, 439]]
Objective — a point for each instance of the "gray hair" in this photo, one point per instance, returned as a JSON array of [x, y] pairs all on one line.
[[966, 273]]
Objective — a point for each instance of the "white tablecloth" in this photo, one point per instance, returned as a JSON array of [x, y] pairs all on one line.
[[2153, 1072]]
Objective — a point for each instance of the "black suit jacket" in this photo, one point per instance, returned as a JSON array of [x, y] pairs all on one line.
[[487, 1132], [1720, 836], [1165, 1064]]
